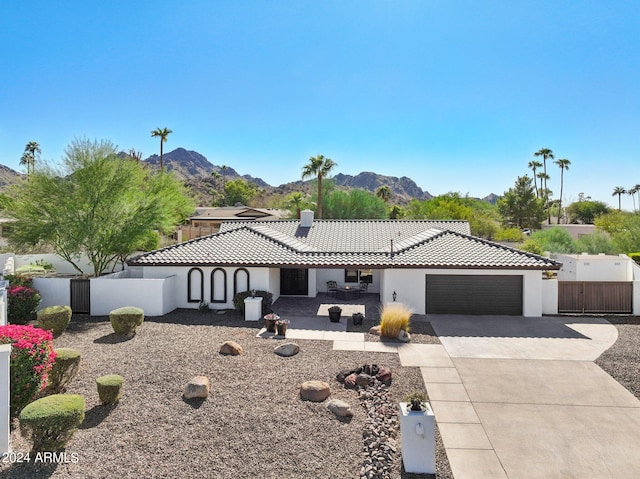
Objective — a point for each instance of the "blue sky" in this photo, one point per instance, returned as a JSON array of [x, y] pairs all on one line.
[[457, 95]]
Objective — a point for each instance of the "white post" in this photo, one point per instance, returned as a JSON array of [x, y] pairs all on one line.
[[418, 439], [5, 352], [3, 302], [252, 308]]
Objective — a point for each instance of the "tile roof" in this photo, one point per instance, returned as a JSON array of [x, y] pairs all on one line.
[[361, 243]]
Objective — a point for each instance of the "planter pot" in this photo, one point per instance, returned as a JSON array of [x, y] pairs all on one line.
[[418, 440], [357, 318], [334, 316], [282, 329], [270, 324]]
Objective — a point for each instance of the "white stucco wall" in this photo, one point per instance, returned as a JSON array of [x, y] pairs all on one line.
[[54, 291], [549, 296], [636, 298], [5, 435], [593, 267], [410, 286], [274, 283]]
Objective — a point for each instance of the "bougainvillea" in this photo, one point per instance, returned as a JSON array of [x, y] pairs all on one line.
[[31, 359], [22, 302]]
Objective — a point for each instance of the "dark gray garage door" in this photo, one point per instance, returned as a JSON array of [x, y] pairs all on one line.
[[483, 294]]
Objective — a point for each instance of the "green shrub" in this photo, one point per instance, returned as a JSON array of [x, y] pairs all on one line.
[[19, 280], [65, 368], [508, 234], [54, 318], [110, 388], [30, 361], [22, 302], [393, 318], [52, 420], [267, 300], [124, 321]]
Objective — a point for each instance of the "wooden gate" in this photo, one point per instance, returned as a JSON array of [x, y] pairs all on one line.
[[595, 297], [80, 296]]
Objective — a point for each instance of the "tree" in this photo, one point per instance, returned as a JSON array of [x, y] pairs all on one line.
[[586, 211], [355, 204], [534, 165], [31, 150], [320, 167], [239, 191], [296, 201], [520, 207], [96, 205], [619, 190], [546, 154], [384, 193], [632, 192], [555, 240], [624, 229], [563, 163], [540, 191], [163, 133]]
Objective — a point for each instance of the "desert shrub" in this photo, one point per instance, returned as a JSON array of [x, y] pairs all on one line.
[[65, 368], [532, 246], [267, 300], [22, 302], [393, 318], [124, 321], [417, 400], [54, 318], [635, 257], [52, 420], [509, 234], [19, 280], [31, 359], [109, 388]]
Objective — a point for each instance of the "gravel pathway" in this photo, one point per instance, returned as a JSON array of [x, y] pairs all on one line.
[[253, 423]]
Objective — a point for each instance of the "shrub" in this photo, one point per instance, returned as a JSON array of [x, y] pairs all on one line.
[[509, 234], [124, 321], [110, 388], [417, 400], [22, 302], [30, 362], [65, 368], [54, 318], [267, 300], [52, 420], [19, 280], [393, 318]]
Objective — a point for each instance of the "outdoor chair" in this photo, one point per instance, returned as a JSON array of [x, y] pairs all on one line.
[[364, 287], [332, 287]]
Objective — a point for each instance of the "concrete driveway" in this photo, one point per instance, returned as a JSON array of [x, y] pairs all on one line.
[[524, 400]]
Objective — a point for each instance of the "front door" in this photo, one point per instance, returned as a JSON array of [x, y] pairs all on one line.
[[294, 282]]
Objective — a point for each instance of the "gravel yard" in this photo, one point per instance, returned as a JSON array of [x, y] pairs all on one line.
[[253, 423]]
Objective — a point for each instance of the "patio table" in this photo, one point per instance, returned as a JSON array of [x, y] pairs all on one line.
[[347, 293]]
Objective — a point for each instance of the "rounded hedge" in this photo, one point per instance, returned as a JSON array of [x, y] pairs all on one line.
[[124, 321], [110, 388], [54, 319], [52, 420], [65, 367]]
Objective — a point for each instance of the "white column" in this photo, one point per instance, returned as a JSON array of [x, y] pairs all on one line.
[[5, 352], [252, 308], [3, 302]]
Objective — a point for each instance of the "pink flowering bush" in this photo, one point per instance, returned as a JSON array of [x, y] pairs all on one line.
[[22, 302], [31, 359]]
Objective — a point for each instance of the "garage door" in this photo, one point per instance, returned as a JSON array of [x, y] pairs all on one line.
[[483, 294]]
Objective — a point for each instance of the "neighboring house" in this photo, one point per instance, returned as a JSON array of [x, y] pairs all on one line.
[[596, 267], [431, 266], [207, 220]]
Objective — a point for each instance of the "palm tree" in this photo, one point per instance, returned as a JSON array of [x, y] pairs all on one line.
[[619, 190], [563, 163], [318, 166], [543, 176], [29, 156], [637, 188], [545, 153], [163, 133], [534, 165], [632, 192], [296, 200], [384, 193]]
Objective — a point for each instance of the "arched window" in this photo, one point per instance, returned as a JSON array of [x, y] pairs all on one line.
[[195, 285], [218, 286], [240, 281]]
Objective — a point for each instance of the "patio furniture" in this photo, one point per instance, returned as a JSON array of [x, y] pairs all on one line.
[[347, 293], [332, 287], [364, 287]]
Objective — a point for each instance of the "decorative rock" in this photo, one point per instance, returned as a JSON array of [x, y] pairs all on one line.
[[340, 408], [287, 350], [198, 387], [350, 381], [363, 379], [231, 348], [404, 336], [375, 331], [315, 391], [342, 375], [384, 375]]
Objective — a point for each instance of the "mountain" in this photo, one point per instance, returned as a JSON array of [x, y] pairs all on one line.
[[8, 176], [404, 187]]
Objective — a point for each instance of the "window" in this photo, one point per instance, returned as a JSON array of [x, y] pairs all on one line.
[[358, 276], [218, 286], [195, 285]]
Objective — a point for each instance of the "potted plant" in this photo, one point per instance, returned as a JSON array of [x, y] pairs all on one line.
[[334, 313], [281, 326], [270, 322], [357, 318], [417, 434]]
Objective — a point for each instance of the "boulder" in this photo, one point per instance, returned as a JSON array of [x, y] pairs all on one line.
[[363, 379], [375, 331], [315, 391], [342, 375], [384, 375], [286, 350], [340, 408], [404, 336], [350, 381], [231, 348], [198, 387]]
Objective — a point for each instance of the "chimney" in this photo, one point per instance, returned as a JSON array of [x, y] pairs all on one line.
[[306, 218]]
